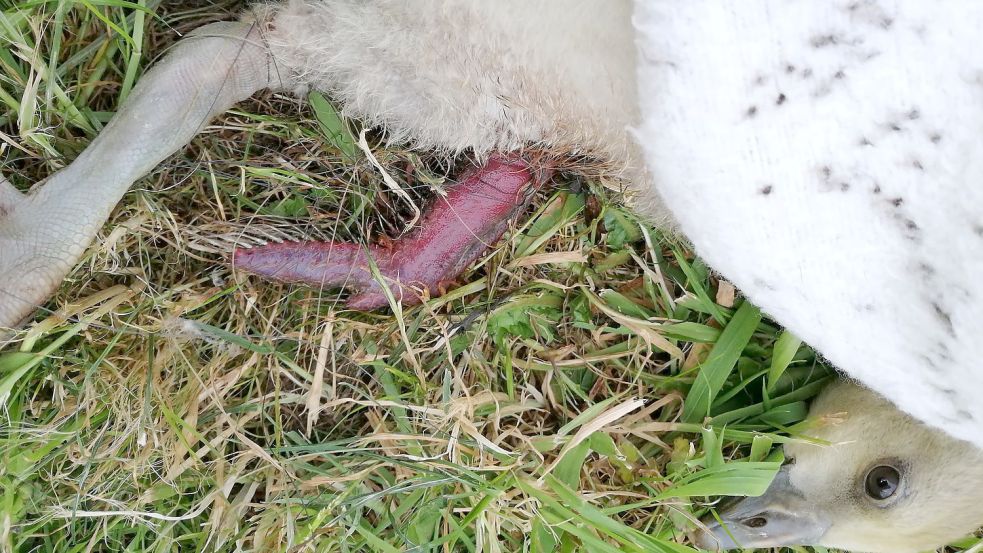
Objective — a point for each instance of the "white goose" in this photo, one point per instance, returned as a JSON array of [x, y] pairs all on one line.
[[822, 156]]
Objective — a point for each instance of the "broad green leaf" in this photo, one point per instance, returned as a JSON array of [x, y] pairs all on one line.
[[541, 538], [556, 214], [720, 362], [749, 479], [569, 468], [760, 448], [622, 229], [15, 360], [711, 446], [692, 332], [784, 415], [785, 348], [623, 305], [333, 126]]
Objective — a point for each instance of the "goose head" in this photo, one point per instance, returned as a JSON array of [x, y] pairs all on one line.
[[882, 482]]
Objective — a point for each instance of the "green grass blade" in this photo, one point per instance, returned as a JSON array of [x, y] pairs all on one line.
[[732, 479], [785, 349], [334, 127], [720, 362]]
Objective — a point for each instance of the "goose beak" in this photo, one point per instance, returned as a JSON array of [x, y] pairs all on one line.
[[780, 517]]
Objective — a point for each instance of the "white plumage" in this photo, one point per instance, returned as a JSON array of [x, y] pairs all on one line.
[[826, 157], [459, 75]]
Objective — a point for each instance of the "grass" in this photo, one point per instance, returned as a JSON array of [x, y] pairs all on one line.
[[556, 401]]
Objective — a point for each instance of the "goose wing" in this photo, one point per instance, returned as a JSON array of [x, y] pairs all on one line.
[[826, 157]]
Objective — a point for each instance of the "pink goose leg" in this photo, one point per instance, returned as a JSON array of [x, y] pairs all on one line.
[[452, 234]]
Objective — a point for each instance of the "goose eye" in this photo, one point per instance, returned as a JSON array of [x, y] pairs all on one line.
[[882, 482]]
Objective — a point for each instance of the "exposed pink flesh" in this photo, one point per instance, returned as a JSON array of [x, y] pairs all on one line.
[[452, 234]]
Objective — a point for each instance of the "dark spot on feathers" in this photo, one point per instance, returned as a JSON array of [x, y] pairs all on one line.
[[864, 141], [876, 189], [839, 74], [946, 391], [918, 165], [965, 294], [908, 226], [978, 230], [929, 362], [895, 127], [766, 190], [790, 68], [914, 114], [935, 138], [926, 269], [949, 419], [752, 111], [781, 99], [887, 23], [844, 187], [943, 352], [897, 202], [762, 283], [822, 41], [807, 73], [825, 171], [944, 317]]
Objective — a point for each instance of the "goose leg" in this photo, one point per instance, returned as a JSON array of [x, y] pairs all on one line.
[[9, 197], [453, 233], [45, 232]]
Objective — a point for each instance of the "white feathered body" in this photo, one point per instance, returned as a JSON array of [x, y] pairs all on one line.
[[827, 157], [456, 75]]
